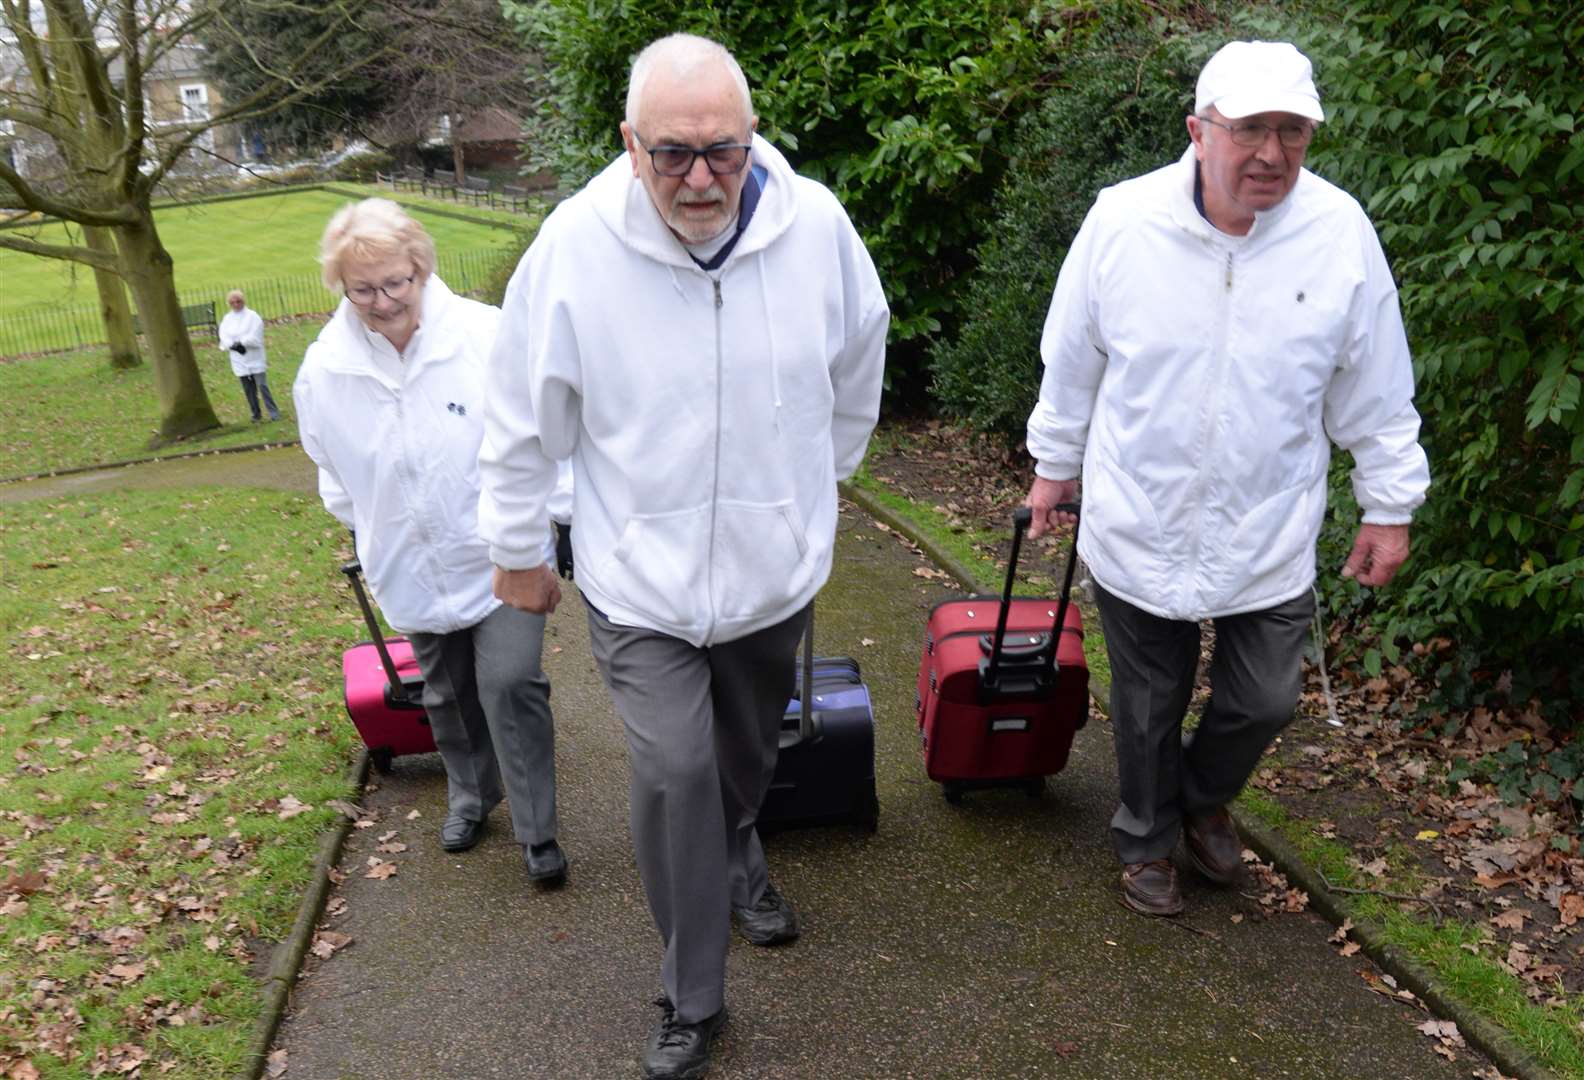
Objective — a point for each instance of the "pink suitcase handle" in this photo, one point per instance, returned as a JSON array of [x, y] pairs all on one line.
[[395, 691]]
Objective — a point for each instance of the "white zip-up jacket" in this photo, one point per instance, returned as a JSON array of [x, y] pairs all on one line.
[[247, 327], [1197, 381], [708, 417], [397, 449]]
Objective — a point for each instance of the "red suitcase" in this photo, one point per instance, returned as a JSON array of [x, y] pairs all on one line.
[[996, 703], [384, 689]]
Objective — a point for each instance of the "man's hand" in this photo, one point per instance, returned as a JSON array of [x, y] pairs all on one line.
[[534, 589], [1042, 499], [1378, 551]]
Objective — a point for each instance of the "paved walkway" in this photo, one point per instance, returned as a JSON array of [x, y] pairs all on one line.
[[977, 940]]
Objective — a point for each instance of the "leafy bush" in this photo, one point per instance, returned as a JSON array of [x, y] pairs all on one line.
[[1458, 126], [1115, 110], [899, 108]]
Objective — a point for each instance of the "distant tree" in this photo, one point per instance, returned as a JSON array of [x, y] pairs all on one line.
[[87, 66], [250, 44], [440, 63]]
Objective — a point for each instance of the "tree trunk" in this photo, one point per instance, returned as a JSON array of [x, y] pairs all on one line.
[[456, 150], [183, 402], [114, 307]]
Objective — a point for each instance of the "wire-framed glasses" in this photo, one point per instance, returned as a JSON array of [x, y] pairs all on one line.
[[394, 288], [1294, 136]]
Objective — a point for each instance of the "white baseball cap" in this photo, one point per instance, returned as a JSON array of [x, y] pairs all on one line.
[[1248, 77]]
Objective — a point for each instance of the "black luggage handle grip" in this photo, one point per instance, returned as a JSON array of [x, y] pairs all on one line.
[[1022, 518], [398, 692]]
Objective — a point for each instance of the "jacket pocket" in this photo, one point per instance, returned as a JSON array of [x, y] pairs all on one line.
[[761, 557], [658, 566], [1273, 541], [1123, 523]]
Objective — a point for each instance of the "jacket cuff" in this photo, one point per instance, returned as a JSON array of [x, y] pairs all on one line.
[[517, 560], [1388, 517], [1046, 471]]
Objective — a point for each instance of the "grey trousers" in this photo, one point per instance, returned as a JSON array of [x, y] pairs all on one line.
[[489, 704], [1255, 678], [703, 730]]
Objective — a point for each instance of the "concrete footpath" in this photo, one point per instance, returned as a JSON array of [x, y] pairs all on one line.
[[977, 940]]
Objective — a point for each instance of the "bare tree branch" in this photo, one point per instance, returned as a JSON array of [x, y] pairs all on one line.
[[75, 254]]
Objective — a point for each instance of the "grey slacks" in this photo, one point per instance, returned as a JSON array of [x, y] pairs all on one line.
[[489, 704], [703, 730], [1255, 678]]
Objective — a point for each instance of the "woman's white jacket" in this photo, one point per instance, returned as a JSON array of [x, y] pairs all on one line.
[[708, 418], [1199, 379], [247, 327], [398, 460]]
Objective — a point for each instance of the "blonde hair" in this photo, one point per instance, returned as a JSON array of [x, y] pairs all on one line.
[[372, 229], [683, 55], [235, 294]]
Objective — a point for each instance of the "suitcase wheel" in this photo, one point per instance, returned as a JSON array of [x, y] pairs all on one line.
[[1035, 787], [381, 759], [870, 821], [953, 791]]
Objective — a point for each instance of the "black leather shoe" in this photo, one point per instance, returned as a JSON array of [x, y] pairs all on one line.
[[546, 865], [1213, 845], [770, 921], [459, 834], [1150, 888], [678, 1051]]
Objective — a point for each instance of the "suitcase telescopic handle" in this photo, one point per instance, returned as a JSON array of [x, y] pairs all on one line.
[[353, 570], [1022, 517], [806, 694]]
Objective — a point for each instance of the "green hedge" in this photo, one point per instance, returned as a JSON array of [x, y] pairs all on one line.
[[903, 110], [1115, 110], [1461, 128]]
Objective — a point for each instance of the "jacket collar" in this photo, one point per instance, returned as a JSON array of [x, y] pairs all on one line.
[[1186, 214], [623, 204], [351, 352]]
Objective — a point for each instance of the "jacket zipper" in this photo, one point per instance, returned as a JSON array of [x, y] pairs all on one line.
[[715, 480], [1213, 408]]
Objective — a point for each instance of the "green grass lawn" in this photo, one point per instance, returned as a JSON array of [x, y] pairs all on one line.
[[171, 722], [219, 245], [70, 409]]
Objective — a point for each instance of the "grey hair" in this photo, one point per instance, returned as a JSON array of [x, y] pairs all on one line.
[[683, 54], [235, 294], [373, 228]]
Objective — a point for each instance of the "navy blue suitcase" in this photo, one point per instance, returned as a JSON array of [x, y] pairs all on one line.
[[825, 769]]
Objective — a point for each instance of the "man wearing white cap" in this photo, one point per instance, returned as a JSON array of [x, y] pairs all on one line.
[[1216, 325]]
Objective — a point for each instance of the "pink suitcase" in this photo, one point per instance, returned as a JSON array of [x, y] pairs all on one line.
[[384, 689]]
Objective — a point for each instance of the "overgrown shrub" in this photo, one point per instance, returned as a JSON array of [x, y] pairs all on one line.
[[1459, 127], [1113, 110], [901, 109]]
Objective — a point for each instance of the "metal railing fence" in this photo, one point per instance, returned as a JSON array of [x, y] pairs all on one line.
[[79, 326]]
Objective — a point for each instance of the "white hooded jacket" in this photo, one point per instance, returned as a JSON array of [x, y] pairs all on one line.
[[708, 417], [398, 461], [1197, 380], [247, 327]]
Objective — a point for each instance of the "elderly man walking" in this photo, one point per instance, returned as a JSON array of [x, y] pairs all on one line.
[[702, 331], [1216, 325]]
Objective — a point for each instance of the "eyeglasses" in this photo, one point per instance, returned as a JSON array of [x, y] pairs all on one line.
[[723, 159], [394, 289], [1254, 133]]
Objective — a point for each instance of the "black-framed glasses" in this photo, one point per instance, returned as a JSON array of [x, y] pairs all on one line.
[[1249, 133], [723, 158], [394, 289]]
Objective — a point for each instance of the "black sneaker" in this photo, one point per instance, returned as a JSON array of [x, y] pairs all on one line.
[[769, 921], [678, 1051]]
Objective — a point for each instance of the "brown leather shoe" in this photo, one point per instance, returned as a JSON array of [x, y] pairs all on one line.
[[1150, 888], [1213, 845]]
